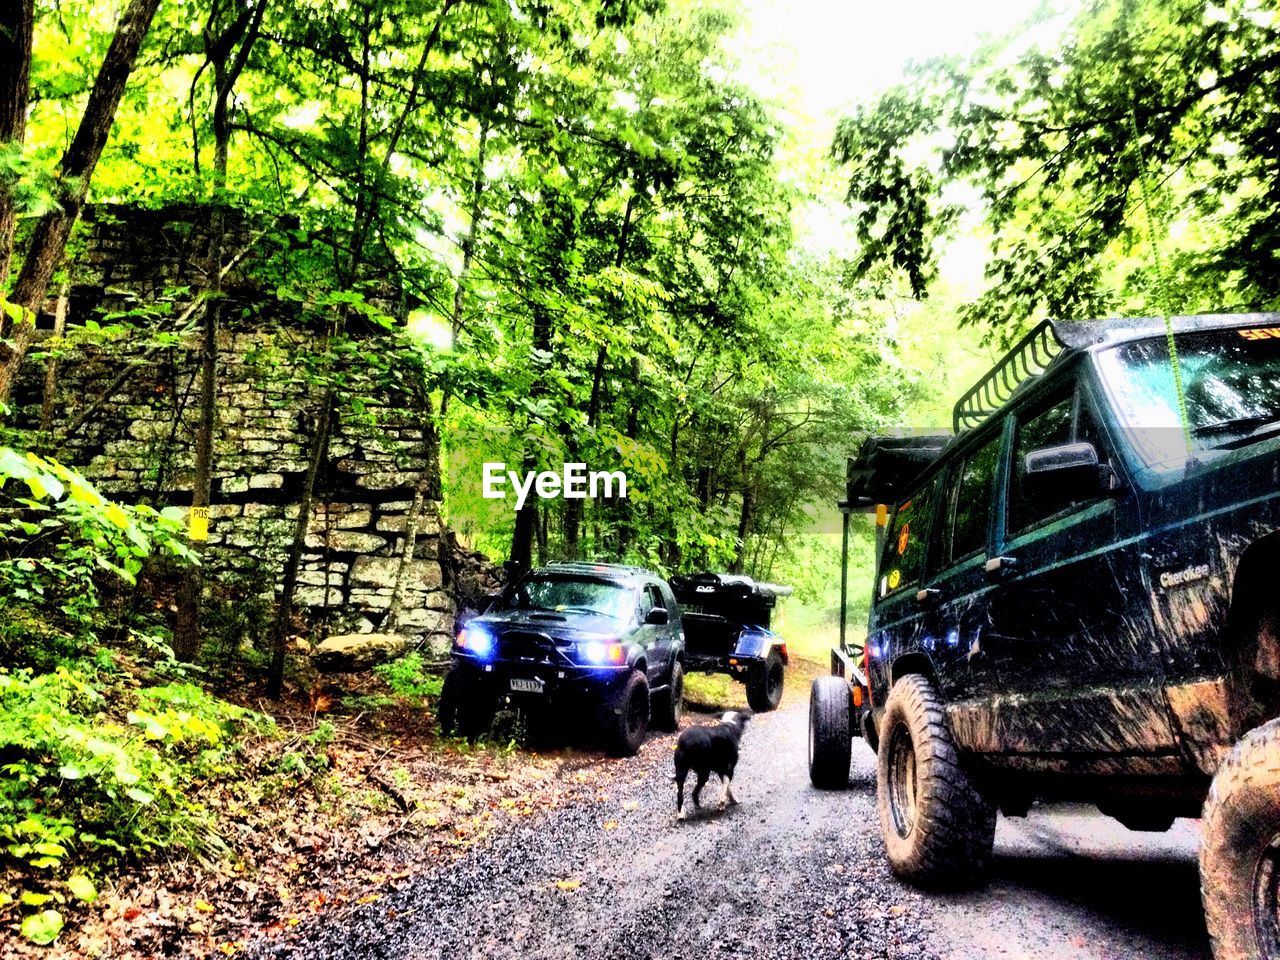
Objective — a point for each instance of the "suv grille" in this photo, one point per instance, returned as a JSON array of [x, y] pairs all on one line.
[[517, 644]]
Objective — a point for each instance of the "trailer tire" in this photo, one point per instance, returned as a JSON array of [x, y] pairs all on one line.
[[1240, 852], [765, 683], [937, 826], [830, 733]]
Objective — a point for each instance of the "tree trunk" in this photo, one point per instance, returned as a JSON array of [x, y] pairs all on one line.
[[573, 509], [49, 240], [745, 519], [244, 33], [51, 365], [17, 21], [289, 584]]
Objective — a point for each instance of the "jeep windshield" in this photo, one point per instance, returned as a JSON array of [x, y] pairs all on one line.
[[571, 594], [1230, 384]]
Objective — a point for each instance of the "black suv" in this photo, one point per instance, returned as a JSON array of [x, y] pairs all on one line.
[[1076, 599], [573, 636]]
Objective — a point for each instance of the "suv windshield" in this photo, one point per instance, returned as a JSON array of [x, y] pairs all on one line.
[[1230, 381], [564, 594]]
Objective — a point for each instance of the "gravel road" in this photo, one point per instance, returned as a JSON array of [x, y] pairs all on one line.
[[790, 873]]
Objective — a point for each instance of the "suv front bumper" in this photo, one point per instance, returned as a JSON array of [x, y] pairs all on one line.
[[523, 678]]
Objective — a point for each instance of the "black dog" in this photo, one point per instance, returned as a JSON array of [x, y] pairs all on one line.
[[708, 750]]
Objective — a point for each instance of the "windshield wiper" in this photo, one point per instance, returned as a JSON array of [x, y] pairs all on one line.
[[1264, 432], [1234, 424]]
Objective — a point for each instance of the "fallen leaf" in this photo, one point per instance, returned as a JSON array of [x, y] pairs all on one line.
[[369, 898], [610, 824], [631, 805], [568, 884], [204, 906]]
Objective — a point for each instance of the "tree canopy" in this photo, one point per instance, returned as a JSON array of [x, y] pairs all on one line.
[[1128, 165]]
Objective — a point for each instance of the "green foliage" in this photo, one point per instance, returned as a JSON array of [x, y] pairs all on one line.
[[1062, 146], [89, 782], [59, 536], [407, 677]]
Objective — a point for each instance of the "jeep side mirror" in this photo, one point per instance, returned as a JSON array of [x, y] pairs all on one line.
[[657, 617], [1067, 472]]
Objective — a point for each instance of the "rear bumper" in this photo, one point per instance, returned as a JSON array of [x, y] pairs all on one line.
[[738, 667]]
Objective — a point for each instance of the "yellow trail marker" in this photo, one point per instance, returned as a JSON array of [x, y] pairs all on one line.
[[199, 524]]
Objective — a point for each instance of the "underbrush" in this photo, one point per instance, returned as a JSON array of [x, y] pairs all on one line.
[[99, 771]]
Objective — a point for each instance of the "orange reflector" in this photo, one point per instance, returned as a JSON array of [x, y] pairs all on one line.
[[882, 514], [857, 698]]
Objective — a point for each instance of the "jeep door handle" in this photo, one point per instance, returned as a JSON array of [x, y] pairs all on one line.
[[927, 594], [1000, 564]]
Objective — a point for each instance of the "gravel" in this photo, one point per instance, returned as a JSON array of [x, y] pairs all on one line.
[[791, 872]]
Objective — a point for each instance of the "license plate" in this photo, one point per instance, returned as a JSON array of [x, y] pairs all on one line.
[[520, 685]]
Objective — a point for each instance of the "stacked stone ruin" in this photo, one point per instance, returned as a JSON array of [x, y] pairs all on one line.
[[139, 270]]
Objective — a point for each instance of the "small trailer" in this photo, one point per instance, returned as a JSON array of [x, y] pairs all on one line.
[[726, 630]]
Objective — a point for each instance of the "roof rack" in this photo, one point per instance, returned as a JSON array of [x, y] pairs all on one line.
[[1029, 357]]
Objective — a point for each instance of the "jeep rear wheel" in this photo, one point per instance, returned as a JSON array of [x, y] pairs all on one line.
[[669, 707], [764, 686], [938, 828], [625, 719], [830, 733], [1240, 853]]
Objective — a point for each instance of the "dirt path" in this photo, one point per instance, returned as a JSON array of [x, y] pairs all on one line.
[[792, 872]]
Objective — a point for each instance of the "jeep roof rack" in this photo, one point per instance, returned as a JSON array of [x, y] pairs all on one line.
[[1029, 357], [588, 566]]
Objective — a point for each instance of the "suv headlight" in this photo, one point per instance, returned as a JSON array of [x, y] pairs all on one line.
[[475, 639], [601, 651]]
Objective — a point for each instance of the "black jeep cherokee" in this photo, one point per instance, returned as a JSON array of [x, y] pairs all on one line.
[[573, 636], [1077, 599]]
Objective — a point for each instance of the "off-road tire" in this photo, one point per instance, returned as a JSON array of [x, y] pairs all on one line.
[[1240, 852], [466, 708], [668, 706], [765, 683], [938, 828], [830, 733], [624, 716]]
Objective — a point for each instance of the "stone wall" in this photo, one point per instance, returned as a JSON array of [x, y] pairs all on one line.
[[135, 276]]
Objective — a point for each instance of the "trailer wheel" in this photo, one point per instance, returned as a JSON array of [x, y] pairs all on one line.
[[938, 828], [764, 685], [830, 733], [466, 707], [1240, 853], [625, 716]]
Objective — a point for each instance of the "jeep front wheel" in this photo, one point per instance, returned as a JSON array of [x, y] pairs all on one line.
[[466, 706], [938, 828], [1240, 853], [764, 685], [626, 716], [830, 733], [670, 703]]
